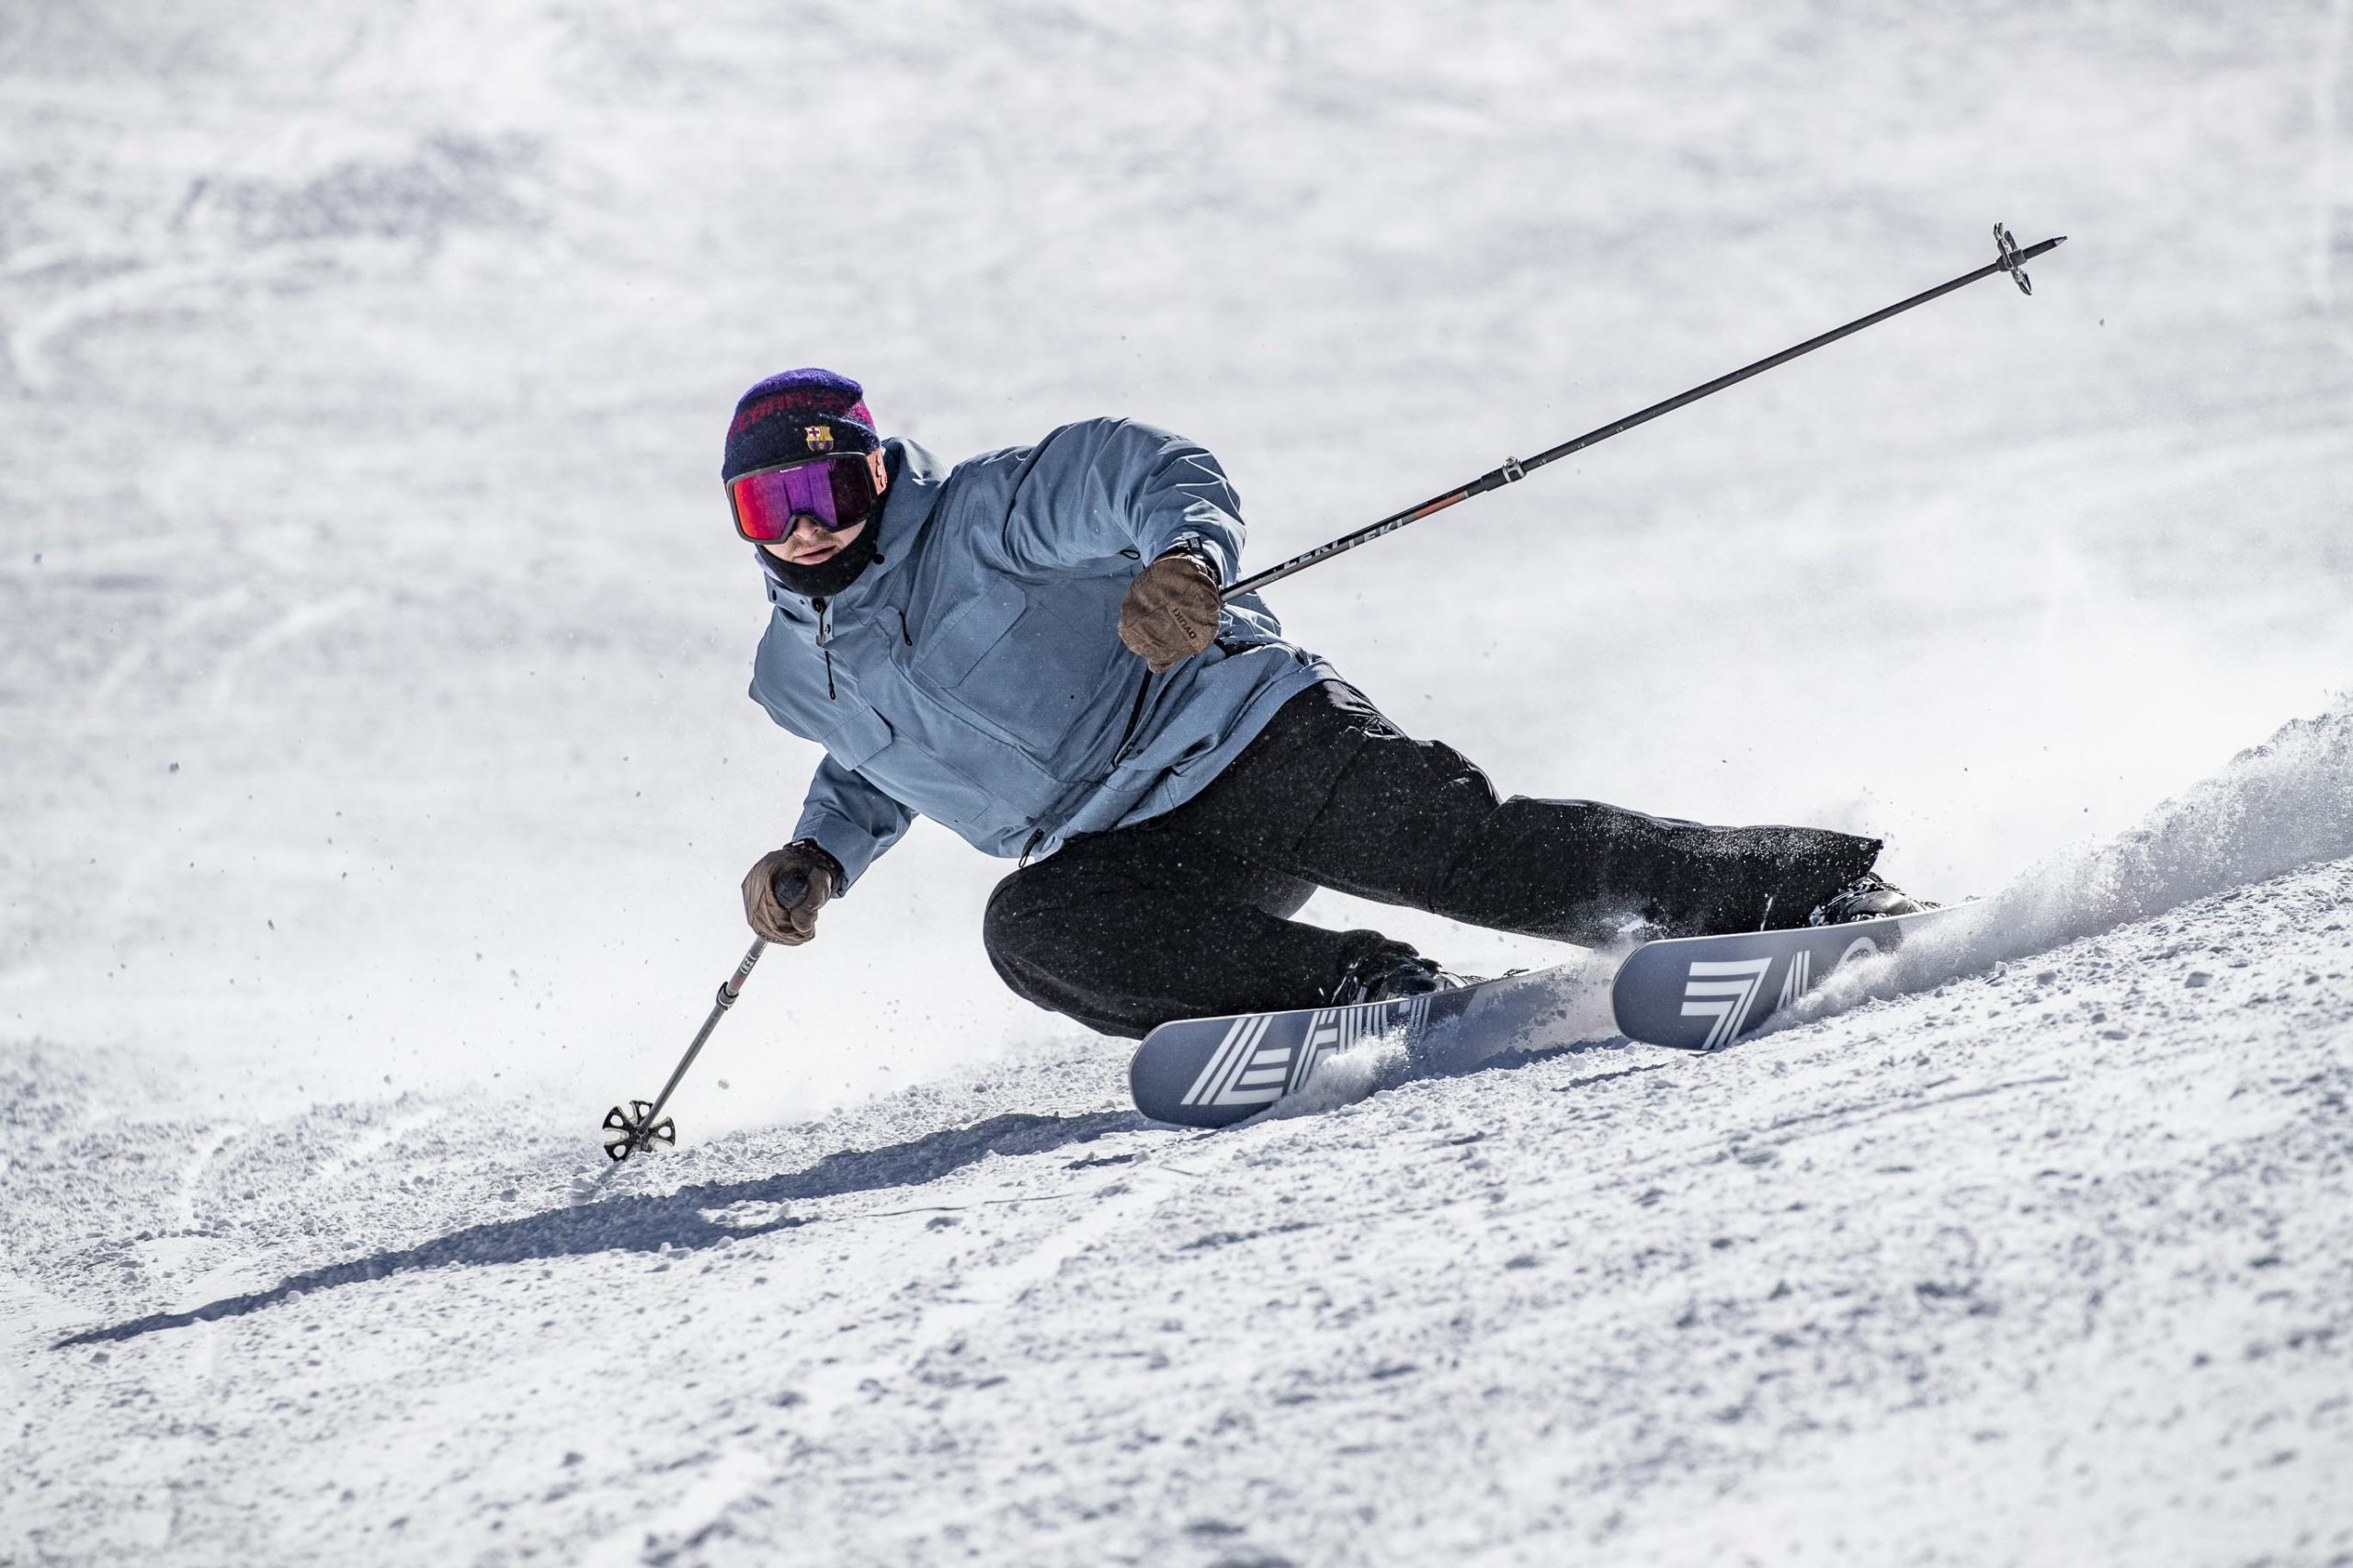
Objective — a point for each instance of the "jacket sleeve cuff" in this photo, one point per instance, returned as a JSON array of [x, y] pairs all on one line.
[[825, 858], [851, 847], [1218, 552]]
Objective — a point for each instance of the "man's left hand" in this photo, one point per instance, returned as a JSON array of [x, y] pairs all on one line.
[[1171, 610]]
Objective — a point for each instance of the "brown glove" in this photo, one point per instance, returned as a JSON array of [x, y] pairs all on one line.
[[801, 866], [1171, 610]]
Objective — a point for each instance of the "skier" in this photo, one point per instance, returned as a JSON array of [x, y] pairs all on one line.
[[1029, 648]]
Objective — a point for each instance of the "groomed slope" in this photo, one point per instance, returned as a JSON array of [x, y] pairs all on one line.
[[372, 660], [2045, 1263]]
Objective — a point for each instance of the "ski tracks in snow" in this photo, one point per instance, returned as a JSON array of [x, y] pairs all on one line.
[[955, 1283], [2020, 1235]]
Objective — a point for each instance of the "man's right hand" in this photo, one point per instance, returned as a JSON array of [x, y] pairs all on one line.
[[808, 876]]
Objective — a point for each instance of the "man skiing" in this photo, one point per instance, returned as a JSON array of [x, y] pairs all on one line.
[[1030, 649]]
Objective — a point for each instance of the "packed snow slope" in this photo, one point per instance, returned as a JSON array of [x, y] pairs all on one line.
[[375, 775], [2048, 1264]]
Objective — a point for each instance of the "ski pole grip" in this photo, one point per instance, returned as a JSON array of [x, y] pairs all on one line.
[[791, 886]]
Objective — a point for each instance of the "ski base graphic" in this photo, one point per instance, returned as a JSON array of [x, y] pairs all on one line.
[[1216, 1072], [1703, 993]]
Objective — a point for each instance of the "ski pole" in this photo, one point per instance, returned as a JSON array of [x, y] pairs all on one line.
[[636, 1127], [2011, 260]]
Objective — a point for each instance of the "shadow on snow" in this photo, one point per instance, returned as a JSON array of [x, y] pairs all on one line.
[[689, 1219], [696, 1217]]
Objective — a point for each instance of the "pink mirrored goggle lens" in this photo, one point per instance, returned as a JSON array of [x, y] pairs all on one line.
[[837, 491]]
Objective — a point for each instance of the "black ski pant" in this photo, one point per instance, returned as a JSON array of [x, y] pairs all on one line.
[[1187, 915]]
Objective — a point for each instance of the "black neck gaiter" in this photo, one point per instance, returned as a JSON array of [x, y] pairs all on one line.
[[828, 576]]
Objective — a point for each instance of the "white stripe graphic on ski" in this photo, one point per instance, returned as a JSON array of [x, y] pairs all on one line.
[[1725, 992], [1225, 1065], [1799, 979]]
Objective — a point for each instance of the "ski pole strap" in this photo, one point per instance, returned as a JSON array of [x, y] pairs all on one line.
[[2011, 260]]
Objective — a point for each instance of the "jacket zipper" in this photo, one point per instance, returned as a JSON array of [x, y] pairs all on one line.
[[825, 645], [1135, 717]]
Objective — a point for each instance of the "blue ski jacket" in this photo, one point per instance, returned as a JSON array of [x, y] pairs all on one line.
[[973, 673]]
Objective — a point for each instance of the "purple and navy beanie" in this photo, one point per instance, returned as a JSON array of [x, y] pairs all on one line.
[[797, 414]]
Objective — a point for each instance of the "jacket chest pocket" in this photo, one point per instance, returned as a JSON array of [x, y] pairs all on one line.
[[948, 653], [1028, 664]]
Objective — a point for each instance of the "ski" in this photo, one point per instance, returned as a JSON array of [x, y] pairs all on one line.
[[1691, 992], [1216, 1072], [1703, 993]]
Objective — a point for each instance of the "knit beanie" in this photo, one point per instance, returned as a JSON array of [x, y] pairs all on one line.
[[799, 413]]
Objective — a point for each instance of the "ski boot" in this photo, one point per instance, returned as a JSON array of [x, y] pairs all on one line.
[[1391, 972], [1867, 897]]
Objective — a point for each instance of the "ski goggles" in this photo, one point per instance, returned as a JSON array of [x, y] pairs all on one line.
[[836, 492]]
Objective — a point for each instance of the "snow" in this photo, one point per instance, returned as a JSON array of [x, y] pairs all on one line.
[[375, 777], [2046, 1264]]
